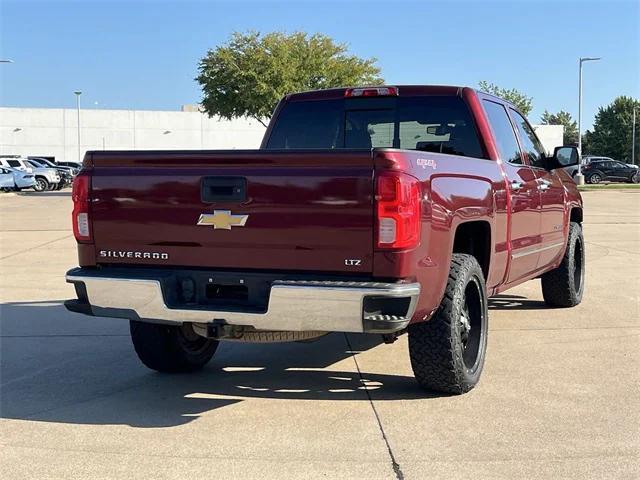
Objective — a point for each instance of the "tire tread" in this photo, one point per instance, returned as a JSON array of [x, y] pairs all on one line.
[[435, 347]]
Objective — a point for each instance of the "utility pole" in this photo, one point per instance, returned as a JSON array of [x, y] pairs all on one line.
[[78, 93], [579, 176], [633, 137]]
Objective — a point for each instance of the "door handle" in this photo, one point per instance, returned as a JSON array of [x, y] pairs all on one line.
[[544, 185], [515, 185]]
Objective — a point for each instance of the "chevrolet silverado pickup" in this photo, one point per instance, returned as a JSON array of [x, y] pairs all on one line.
[[378, 209]]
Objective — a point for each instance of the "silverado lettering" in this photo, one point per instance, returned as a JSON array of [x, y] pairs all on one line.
[[118, 254], [351, 229]]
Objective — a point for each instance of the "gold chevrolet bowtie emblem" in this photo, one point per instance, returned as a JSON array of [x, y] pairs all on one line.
[[222, 219]]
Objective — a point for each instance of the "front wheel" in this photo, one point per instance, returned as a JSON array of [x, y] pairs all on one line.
[[635, 178], [563, 286], [171, 348], [41, 185], [447, 352]]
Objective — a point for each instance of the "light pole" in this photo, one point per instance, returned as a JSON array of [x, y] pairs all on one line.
[[633, 138], [579, 176], [78, 93]]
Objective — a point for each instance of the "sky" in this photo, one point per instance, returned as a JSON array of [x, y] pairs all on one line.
[[144, 54]]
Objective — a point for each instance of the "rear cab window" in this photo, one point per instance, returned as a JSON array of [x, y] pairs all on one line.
[[437, 123]]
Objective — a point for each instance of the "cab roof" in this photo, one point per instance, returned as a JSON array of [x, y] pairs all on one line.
[[403, 90]]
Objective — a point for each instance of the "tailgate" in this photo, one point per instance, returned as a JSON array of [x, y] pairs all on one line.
[[289, 210]]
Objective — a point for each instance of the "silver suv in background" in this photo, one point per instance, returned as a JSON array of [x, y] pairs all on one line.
[[46, 178], [67, 174]]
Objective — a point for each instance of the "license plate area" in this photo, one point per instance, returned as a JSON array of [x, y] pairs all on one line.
[[224, 291]]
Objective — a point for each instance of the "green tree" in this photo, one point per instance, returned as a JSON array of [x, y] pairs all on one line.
[[563, 118], [611, 134], [247, 76], [519, 99]]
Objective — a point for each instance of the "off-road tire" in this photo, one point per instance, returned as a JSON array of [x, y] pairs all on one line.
[[169, 348], [563, 286], [436, 347], [42, 185]]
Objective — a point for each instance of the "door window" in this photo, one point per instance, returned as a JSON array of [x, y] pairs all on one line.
[[503, 131], [530, 143]]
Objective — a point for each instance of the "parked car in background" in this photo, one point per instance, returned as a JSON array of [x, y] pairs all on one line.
[[19, 179], [6, 179], [45, 162], [75, 165], [46, 178], [15, 161], [587, 159], [600, 170], [66, 173]]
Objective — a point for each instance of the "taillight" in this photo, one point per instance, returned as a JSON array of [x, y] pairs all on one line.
[[398, 199], [371, 92], [80, 215]]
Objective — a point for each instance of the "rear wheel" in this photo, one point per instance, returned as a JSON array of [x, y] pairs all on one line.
[[171, 348], [447, 352], [563, 286], [41, 185], [595, 178]]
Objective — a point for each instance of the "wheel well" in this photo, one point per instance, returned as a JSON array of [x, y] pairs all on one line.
[[474, 238], [576, 215]]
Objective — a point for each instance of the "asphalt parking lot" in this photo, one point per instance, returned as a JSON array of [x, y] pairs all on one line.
[[559, 397]]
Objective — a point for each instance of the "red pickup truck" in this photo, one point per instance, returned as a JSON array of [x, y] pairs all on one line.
[[376, 210]]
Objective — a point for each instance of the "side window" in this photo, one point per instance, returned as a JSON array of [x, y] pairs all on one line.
[[503, 130], [530, 143], [13, 163]]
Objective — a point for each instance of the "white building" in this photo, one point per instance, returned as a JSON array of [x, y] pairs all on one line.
[[53, 132], [551, 136]]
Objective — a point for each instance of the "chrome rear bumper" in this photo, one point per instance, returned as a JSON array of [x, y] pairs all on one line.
[[292, 305]]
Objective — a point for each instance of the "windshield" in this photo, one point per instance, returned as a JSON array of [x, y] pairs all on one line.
[[44, 162], [441, 124]]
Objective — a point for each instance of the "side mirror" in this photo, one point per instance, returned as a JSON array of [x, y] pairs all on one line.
[[564, 157]]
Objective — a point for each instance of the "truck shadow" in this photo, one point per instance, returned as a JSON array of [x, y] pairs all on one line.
[[515, 302], [63, 367]]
